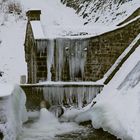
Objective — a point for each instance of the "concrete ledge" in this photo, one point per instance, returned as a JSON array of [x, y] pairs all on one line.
[[64, 84]]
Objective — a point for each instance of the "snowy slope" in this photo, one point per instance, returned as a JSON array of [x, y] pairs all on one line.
[[12, 61], [67, 23], [60, 21], [103, 11], [12, 32], [117, 108]]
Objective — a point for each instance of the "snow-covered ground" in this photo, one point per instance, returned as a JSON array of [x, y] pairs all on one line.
[[108, 11], [12, 61]]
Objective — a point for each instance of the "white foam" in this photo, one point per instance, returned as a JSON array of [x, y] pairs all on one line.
[[47, 127]]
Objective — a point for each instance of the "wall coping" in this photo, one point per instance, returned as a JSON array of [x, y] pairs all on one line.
[[64, 84]]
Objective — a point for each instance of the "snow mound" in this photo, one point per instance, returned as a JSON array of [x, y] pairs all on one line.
[[117, 108], [12, 112]]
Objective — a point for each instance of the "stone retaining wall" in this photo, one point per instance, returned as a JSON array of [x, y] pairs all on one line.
[[58, 94], [104, 49]]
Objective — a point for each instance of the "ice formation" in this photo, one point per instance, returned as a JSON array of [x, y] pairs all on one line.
[[70, 53], [12, 113], [50, 58], [77, 96]]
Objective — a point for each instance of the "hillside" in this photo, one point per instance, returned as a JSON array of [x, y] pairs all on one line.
[[103, 11], [12, 32]]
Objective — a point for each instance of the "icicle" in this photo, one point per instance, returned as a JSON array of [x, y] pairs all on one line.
[[64, 51], [50, 58], [75, 51], [59, 58], [70, 95], [41, 44]]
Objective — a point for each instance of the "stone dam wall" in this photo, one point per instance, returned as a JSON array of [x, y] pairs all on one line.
[[70, 60], [88, 59], [104, 49], [60, 94]]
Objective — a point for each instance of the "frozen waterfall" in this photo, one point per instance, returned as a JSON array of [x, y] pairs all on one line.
[[65, 59], [70, 95]]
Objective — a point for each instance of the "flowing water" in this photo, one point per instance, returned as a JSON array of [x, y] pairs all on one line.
[[47, 127]]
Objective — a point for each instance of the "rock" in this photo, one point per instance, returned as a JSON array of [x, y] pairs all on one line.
[[1, 73], [57, 110], [45, 104], [1, 136]]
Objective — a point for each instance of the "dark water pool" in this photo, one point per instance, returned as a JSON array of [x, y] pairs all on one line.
[[87, 134], [49, 128]]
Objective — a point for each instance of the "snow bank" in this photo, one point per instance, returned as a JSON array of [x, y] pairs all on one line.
[[12, 112], [118, 112], [117, 108], [5, 90]]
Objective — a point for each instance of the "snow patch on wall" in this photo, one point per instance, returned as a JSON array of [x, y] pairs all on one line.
[[37, 30]]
